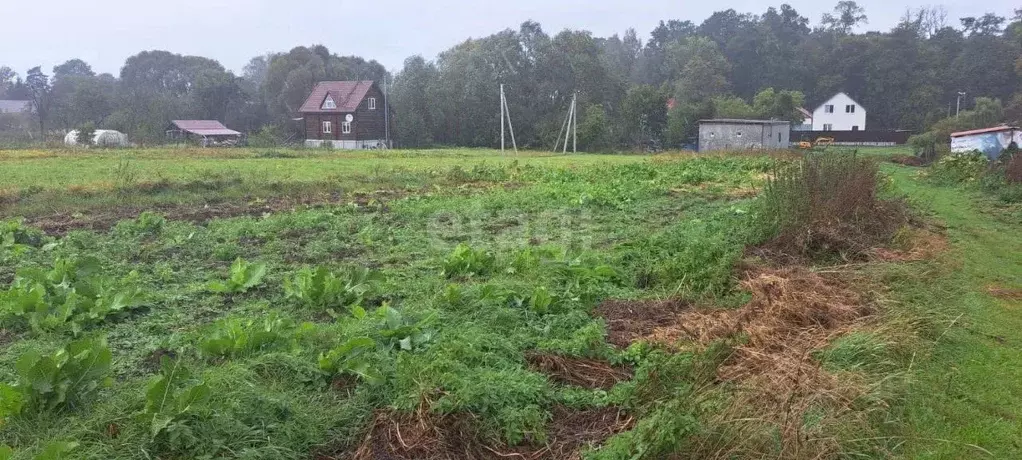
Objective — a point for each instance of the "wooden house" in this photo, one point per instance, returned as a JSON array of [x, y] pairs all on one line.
[[346, 115]]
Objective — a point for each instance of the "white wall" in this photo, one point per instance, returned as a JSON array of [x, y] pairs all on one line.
[[840, 119]]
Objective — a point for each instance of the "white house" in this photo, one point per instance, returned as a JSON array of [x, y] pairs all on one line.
[[839, 113]]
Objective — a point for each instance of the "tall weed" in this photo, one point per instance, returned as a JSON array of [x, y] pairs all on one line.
[[828, 205]]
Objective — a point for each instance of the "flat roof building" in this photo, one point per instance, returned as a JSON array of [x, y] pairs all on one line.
[[737, 134]]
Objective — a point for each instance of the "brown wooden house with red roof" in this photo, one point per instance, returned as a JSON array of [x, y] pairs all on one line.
[[345, 114]]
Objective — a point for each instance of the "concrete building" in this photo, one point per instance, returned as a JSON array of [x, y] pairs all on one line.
[[732, 134], [839, 113]]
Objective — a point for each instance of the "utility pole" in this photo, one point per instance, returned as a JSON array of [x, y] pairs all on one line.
[[569, 128], [574, 123], [386, 114], [501, 119], [958, 108], [505, 112]]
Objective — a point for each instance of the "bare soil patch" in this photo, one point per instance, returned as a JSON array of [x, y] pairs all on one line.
[[581, 372], [631, 320], [426, 436], [59, 224]]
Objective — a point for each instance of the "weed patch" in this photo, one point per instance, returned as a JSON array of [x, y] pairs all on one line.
[[824, 207]]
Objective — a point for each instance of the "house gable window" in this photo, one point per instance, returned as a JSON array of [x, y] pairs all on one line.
[[372, 103], [329, 103], [828, 108], [328, 127], [850, 108], [855, 128], [345, 127]]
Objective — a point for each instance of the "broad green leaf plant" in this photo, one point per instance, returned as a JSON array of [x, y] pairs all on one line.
[[244, 276]]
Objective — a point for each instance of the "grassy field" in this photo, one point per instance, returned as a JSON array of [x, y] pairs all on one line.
[[104, 169], [305, 304], [965, 400]]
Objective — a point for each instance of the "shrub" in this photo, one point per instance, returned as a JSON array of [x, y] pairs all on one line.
[[86, 133], [959, 168], [244, 276], [828, 205], [64, 379]]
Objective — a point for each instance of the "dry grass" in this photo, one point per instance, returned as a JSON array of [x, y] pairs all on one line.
[[793, 313], [424, 435], [912, 244], [581, 372]]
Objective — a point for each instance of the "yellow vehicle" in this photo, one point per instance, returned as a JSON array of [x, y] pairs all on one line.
[[821, 143]]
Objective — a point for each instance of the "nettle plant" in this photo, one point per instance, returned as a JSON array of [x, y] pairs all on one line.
[[71, 295], [62, 380], [244, 276], [232, 338], [466, 262], [332, 292], [173, 400]]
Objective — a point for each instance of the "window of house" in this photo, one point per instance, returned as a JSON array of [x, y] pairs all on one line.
[[778, 138], [850, 108], [346, 127], [372, 103], [328, 127], [855, 128], [828, 109], [328, 103], [828, 127]]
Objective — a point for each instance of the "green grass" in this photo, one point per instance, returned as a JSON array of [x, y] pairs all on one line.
[[668, 226], [477, 261], [106, 168], [966, 396]]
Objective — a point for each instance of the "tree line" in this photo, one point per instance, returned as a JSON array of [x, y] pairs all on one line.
[[630, 90]]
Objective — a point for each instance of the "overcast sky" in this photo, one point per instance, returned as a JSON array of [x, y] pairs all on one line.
[[105, 32]]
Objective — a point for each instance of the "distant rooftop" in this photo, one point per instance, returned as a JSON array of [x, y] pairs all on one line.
[[995, 129], [739, 121], [204, 127]]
